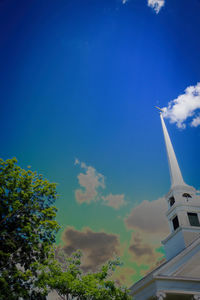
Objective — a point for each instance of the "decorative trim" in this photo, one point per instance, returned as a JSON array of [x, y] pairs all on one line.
[[161, 295]]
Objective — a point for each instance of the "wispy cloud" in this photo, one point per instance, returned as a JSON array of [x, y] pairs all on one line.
[[156, 4], [92, 183], [142, 252], [149, 225], [123, 275], [115, 201], [184, 107], [195, 122]]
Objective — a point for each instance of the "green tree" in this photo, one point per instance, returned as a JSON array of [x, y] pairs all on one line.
[[67, 279], [27, 229], [28, 265]]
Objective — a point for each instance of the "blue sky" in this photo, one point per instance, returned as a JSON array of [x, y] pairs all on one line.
[[79, 80]]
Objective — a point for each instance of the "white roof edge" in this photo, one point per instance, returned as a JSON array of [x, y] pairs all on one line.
[[153, 275], [178, 278], [180, 254]]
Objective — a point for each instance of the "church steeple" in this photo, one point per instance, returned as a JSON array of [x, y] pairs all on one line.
[[183, 206], [175, 172]]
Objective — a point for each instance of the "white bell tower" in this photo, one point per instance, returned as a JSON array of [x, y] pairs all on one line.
[[183, 206]]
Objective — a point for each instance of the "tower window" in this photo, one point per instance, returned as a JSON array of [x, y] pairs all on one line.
[[187, 196], [175, 222], [171, 201], [193, 219]]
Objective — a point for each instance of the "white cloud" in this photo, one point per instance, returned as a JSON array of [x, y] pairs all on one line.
[[115, 201], [144, 252], [183, 107], [76, 162], [195, 122], [91, 183], [149, 217], [150, 227], [156, 4], [97, 247]]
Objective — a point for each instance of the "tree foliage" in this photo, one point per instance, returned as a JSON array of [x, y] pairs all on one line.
[[28, 266], [66, 278], [27, 228]]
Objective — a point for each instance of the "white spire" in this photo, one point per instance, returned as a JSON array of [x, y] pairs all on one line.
[[175, 172]]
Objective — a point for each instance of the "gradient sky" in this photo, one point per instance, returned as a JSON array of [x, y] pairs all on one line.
[[79, 80]]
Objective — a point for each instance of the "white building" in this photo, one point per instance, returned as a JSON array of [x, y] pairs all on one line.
[[179, 277]]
